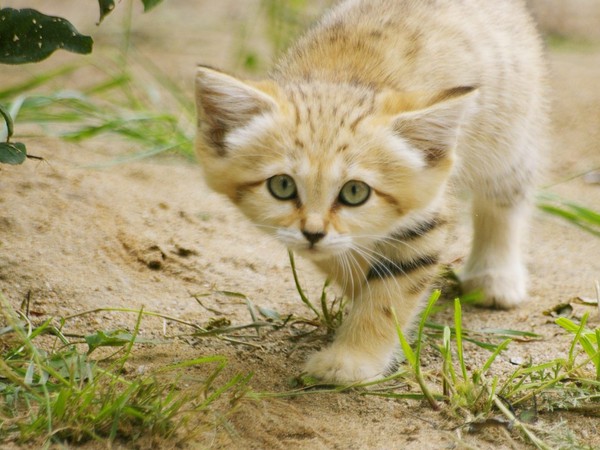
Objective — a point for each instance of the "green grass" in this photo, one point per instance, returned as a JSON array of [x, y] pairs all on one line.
[[574, 213], [154, 115], [570, 384], [561, 43], [53, 392]]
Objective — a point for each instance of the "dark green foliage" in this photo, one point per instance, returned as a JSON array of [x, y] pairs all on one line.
[[27, 35], [12, 153], [106, 7]]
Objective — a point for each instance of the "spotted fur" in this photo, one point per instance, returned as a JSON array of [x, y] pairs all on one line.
[[410, 97]]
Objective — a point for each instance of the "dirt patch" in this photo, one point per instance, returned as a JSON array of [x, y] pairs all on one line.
[[151, 234]]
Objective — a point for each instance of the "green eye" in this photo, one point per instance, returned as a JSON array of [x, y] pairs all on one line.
[[354, 193], [282, 187]]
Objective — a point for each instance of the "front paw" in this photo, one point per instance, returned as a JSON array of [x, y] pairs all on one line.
[[338, 364], [502, 290]]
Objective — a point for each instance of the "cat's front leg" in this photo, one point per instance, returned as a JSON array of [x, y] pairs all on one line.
[[495, 267], [366, 343]]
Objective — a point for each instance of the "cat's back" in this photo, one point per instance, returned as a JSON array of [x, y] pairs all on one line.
[[420, 45]]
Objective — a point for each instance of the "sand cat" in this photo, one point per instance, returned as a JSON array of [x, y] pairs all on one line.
[[348, 150]]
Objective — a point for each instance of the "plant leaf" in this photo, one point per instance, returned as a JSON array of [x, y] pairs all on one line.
[[106, 7], [118, 338], [149, 4], [27, 35], [406, 348], [12, 153]]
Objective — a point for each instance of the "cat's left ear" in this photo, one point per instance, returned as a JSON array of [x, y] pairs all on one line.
[[433, 122], [224, 103]]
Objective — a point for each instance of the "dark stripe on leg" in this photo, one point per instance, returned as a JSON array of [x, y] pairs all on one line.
[[388, 268]]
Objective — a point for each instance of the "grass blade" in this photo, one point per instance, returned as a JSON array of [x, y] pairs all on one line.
[[35, 81], [576, 214], [303, 296], [459, 341]]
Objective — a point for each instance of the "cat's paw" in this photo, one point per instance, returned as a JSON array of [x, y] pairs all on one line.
[[340, 365], [501, 290]]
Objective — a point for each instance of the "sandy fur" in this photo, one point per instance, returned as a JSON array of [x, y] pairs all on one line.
[[408, 97]]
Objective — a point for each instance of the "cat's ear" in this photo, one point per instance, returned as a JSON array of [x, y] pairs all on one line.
[[432, 122], [224, 103]]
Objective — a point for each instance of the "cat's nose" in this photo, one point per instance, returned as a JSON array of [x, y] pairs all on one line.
[[313, 238]]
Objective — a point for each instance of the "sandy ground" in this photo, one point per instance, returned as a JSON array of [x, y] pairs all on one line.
[[150, 234]]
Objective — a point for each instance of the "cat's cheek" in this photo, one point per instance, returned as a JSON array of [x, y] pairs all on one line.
[[370, 221], [291, 239], [264, 211]]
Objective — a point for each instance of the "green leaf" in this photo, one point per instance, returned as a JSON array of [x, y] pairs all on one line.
[[494, 355], [149, 4], [106, 7], [12, 153], [410, 356], [117, 338], [27, 35]]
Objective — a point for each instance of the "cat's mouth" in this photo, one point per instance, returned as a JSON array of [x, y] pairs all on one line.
[[314, 252], [319, 252]]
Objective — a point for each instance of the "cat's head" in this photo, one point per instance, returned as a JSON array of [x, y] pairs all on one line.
[[326, 167]]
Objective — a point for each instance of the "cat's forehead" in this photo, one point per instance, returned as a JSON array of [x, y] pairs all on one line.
[[326, 117], [331, 99]]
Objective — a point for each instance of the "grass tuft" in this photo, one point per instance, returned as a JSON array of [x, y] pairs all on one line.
[[565, 384], [55, 393], [330, 315]]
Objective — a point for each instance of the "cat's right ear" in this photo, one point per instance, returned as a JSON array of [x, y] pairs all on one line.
[[224, 103]]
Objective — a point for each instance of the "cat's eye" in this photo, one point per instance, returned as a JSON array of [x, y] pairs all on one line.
[[354, 193], [282, 187]]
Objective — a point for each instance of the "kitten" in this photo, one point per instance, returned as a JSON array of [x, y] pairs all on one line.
[[348, 151]]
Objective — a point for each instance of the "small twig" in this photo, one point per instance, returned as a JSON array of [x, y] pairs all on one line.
[[137, 311]]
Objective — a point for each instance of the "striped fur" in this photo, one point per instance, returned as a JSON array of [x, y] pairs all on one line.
[[385, 267], [418, 230], [406, 97]]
